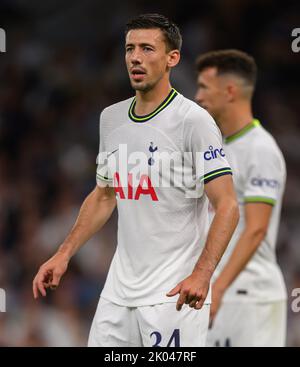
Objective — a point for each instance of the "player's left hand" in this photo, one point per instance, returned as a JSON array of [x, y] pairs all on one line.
[[216, 300], [193, 291]]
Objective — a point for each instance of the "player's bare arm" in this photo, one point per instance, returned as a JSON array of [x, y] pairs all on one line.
[[193, 290], [257, 217], [94, 213]]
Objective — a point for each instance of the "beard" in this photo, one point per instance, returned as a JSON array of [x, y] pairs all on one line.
[[142, 87], [145, 86]]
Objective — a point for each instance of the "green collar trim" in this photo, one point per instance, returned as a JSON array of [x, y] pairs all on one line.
[[161, 107], [254, 123]]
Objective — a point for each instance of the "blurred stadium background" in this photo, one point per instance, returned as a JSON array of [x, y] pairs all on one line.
[[65, 63]]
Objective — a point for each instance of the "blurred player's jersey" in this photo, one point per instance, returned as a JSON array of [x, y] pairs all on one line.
[[259, 177], [161, 230]]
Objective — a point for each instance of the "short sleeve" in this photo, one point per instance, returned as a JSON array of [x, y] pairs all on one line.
[[203, 139], [265, 176], [103, 176]]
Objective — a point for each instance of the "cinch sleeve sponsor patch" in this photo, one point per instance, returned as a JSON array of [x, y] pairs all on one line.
[[203, 139], [265, 177]]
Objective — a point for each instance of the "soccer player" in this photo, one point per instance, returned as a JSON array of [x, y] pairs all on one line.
[[165, 255], [248, 293]]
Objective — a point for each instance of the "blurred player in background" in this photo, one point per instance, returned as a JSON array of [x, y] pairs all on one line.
[[164, 248], [248, 294]]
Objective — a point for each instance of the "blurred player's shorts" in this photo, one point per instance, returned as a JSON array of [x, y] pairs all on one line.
[[249, 325]]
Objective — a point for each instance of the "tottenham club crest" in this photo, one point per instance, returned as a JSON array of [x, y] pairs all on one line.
[[152, 149]]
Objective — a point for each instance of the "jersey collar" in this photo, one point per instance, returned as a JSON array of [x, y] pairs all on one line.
[[161, 107], [254, 123]]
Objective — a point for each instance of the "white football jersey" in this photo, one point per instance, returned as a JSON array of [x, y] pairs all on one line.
[[163, 223], [259, 177]]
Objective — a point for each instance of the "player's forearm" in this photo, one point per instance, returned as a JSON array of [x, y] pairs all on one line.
[[219, 235], [241, 255], [93, 214]]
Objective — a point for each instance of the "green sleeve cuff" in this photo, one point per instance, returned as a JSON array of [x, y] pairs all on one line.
[[260, 199], [216, 173]]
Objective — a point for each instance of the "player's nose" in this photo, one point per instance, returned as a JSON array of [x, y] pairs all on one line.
[[136, 58], [199, 97]]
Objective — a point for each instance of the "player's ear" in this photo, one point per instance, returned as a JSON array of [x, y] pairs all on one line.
[[231, 91], [173, 58]]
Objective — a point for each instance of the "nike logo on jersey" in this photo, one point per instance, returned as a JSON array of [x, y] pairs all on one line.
[[114, 151]]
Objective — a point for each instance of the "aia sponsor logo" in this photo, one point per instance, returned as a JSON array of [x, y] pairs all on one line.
[[130, 192]]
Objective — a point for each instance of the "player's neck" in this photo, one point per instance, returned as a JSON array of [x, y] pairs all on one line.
[[235, 119], [147, 102]]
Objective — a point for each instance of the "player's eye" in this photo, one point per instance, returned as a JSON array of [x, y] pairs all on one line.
[[129, 49], [147, 48]]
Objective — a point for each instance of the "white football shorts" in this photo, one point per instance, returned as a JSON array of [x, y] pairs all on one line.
[[159, 325], [249, 325]]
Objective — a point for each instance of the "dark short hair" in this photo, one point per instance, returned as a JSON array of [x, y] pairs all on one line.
[[229, 62], [170, 30]]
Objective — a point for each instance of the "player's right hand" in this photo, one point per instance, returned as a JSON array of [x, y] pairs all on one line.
[[49, 274], [192, 290]]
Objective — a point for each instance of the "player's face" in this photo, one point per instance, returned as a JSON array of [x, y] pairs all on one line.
[[211, 92], [147, 58]]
